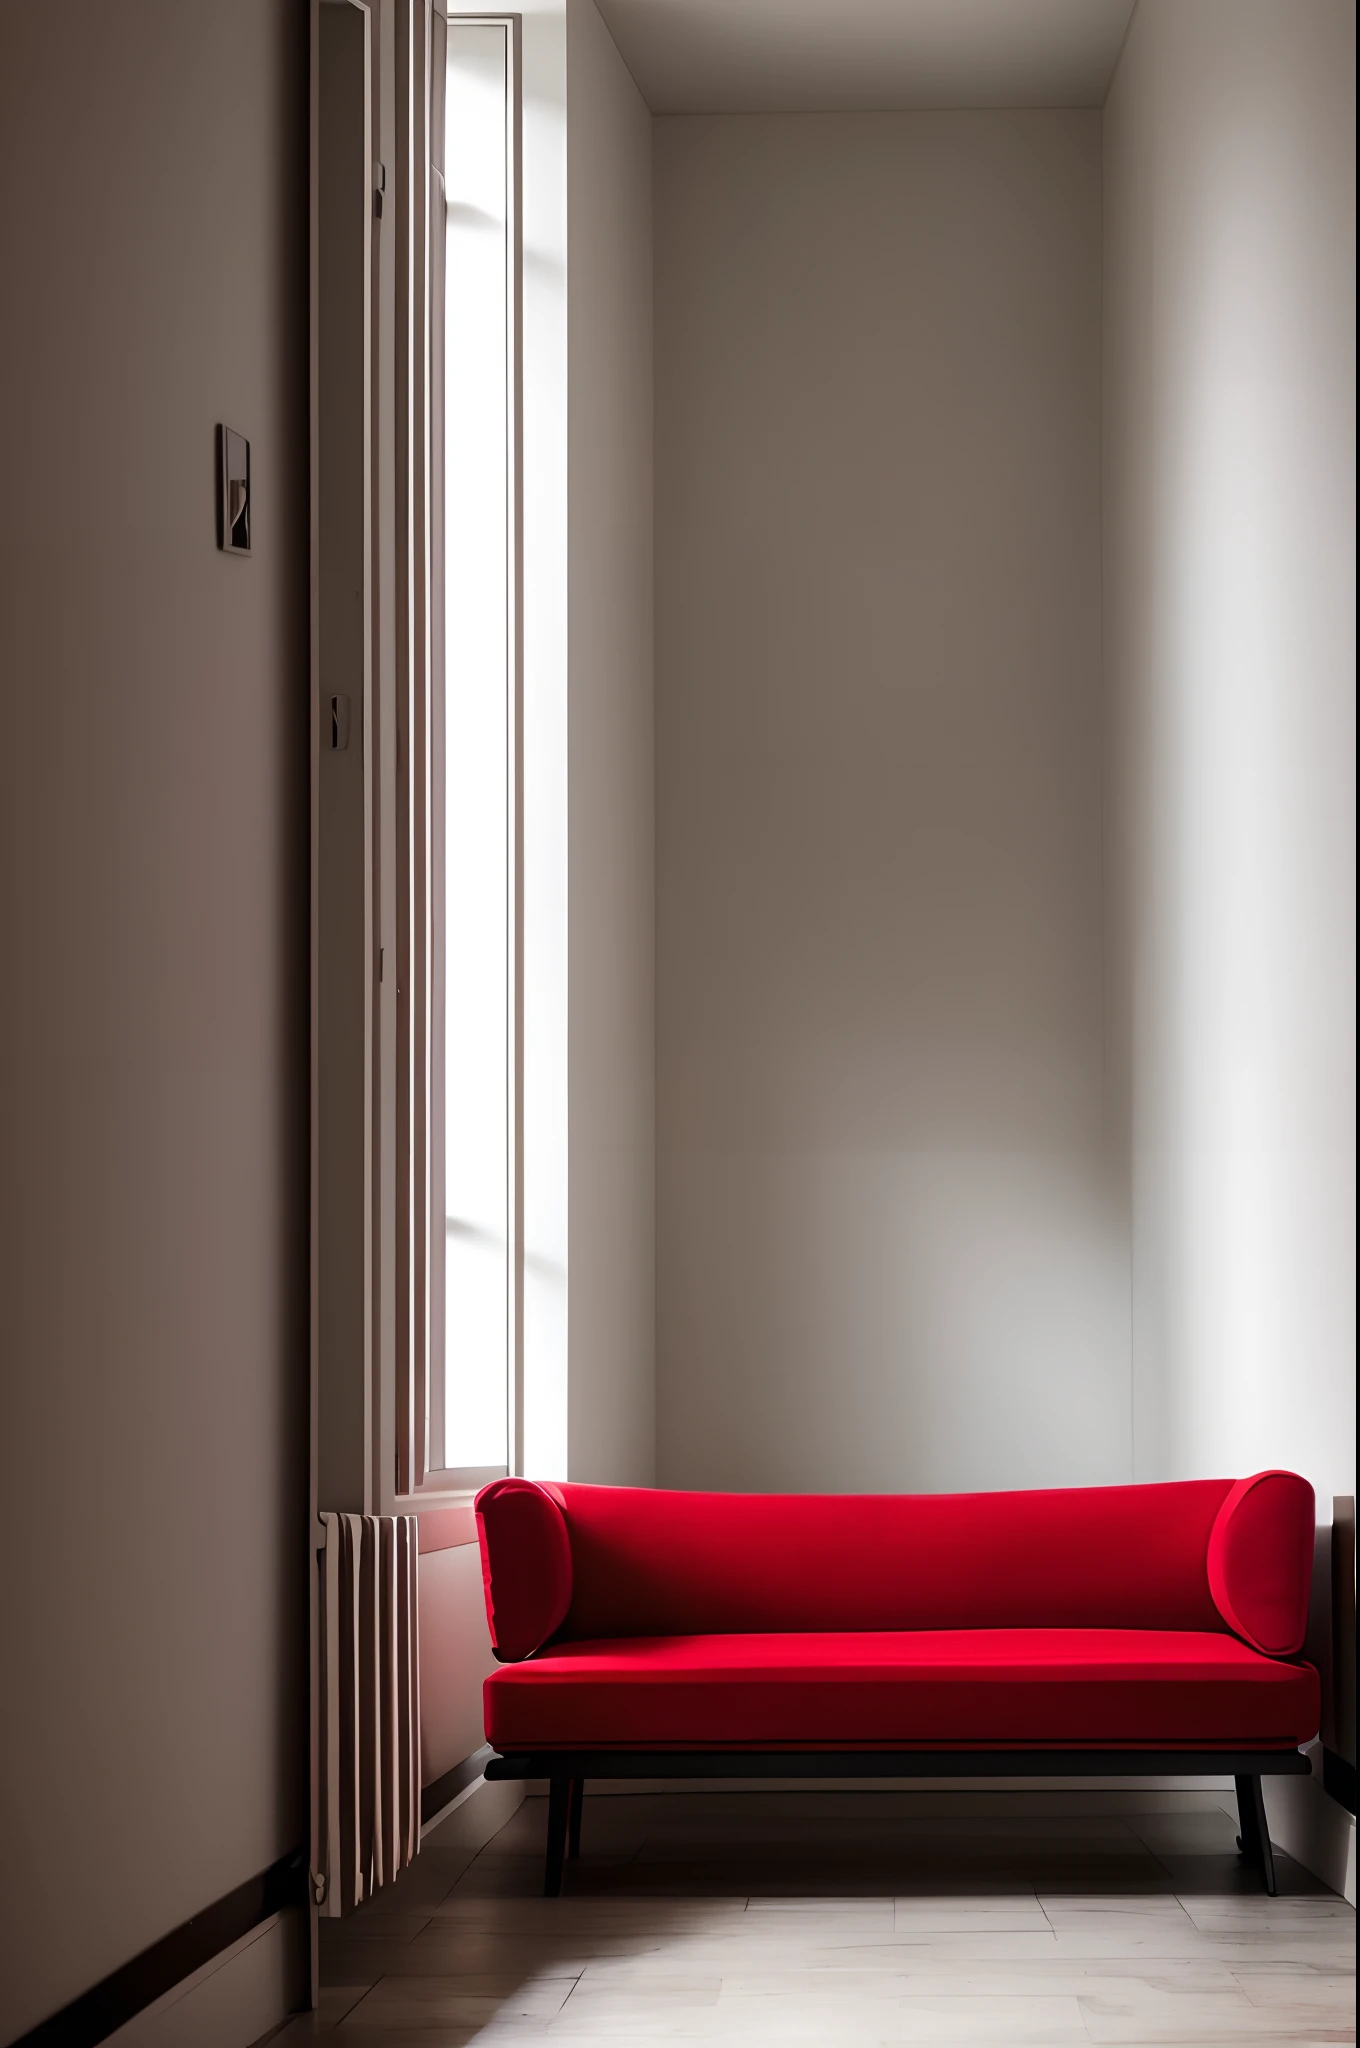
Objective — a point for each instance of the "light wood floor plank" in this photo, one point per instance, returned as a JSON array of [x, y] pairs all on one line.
[[847, 1918]]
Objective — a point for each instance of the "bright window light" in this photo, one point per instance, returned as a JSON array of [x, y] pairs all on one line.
[[477, 759]]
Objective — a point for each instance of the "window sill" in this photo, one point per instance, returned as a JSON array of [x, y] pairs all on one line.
[[445, 1519]]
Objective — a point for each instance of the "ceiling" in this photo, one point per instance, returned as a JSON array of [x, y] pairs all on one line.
[[805, 56]]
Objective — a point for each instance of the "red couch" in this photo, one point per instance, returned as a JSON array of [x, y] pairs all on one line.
[[1121, 1628]]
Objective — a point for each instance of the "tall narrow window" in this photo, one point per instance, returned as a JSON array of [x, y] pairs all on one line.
[[473, 755]]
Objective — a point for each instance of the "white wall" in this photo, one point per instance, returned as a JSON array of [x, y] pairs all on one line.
[[891, 1247], [1230, 634], [1230, 276], [611, 1315], [153, 870]]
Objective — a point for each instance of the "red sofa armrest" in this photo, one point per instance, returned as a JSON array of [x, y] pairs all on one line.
[[526, 1564], [1260, 1561]]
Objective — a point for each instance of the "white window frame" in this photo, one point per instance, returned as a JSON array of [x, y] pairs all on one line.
[[415, 844]]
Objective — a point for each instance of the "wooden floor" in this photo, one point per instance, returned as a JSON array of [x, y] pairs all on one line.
[[852, 1917]]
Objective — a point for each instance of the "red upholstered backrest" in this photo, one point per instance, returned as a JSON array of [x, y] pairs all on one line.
[[647, 1562], [1260, 1560]]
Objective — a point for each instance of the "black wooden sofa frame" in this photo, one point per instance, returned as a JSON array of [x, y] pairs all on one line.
[[566, 1771]]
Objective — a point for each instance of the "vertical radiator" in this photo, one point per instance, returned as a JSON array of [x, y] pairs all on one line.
[[367, 1818]]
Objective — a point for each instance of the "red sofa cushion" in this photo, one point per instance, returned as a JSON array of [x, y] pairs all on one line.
[[655, 1563], [1001, 1688], [1260, 1560], [526, 1563]]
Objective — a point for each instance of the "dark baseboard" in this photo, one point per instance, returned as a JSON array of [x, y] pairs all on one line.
[[434, 1798], [99, 2012], [1338, 1779]]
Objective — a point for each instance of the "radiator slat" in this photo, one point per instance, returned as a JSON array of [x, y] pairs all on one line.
[[369, 1826]]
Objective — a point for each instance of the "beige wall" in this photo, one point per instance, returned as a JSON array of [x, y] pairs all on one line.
[[153, 864], [1230, 538], [890, 1217], [455, 1657], [611, 1312]]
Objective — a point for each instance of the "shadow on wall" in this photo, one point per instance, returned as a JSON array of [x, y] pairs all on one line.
[[892, 1219]]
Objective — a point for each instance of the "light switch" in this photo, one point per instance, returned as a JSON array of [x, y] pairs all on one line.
[[233, 492]]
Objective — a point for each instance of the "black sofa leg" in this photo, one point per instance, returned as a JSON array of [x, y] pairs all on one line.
[[1254, 1840], [578, 1793], [559, 1801]]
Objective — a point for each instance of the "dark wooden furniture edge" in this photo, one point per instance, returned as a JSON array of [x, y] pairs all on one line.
[[894, 1763], [566, 1771]]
